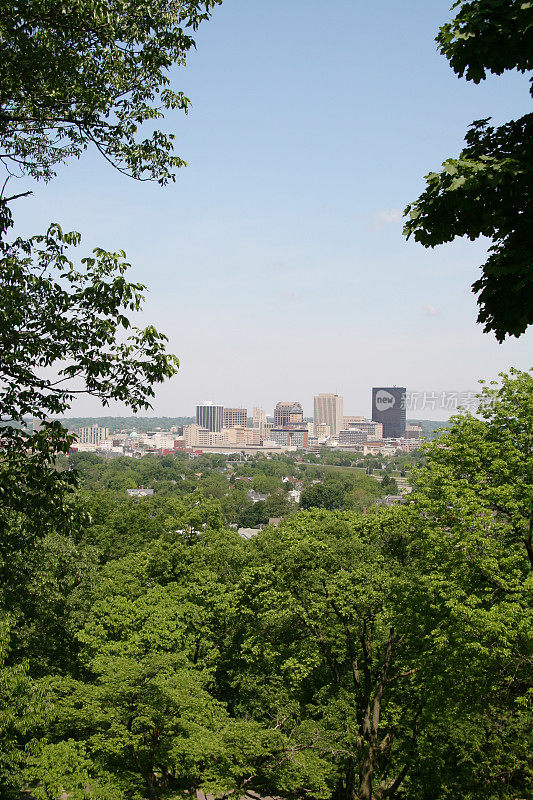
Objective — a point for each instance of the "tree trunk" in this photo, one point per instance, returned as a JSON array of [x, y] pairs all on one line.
[[371, 725], [367, 773], [529, 542], [152, 786], [345, 788]]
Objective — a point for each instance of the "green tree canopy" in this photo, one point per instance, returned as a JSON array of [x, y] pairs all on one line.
[[74, 75], [64, 332], [90, 73], [323, 495], [490, 457], [486, 190]]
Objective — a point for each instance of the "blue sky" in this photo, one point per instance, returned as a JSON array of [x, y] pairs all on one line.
[[276, 263]]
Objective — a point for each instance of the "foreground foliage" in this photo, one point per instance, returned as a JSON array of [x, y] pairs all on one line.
[[64, 333], [486, 190], [76, 75], [89, 74], [385, 654]]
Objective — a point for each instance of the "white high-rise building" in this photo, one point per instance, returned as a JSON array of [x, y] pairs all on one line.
[[92, 434], [328, 410]]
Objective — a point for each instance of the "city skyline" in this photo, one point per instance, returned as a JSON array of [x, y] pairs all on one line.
[[420, 404], [220, 429], [357, 395]]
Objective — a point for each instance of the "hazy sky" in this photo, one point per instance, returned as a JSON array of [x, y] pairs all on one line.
[[276, 263]]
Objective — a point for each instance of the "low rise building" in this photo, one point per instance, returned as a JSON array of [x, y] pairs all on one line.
[[374, 430], [252, 436], [218, 437], [82, 447], [256, 497], [241, 436], [313, 445], [383, 447], [348, 422], [140, 492], [286, 436], [248, 533], [391, 500], [352, 436], [390, 446], [414, 430], [322, 430], [196, 435], [160, 440]]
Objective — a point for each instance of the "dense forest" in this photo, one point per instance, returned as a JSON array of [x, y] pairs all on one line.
[[352, 651]]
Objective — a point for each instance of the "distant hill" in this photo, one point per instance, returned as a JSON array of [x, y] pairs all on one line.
[[430, 426], [115, 424], [144, 424]]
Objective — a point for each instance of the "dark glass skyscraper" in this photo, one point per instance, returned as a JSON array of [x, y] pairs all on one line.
[[388, 407], [209, 416]]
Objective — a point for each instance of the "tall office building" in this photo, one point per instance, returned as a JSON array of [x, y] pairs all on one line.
[[328, 410], [284, 410], [234, 417], [209, 416], [259, 421], [388, 407]]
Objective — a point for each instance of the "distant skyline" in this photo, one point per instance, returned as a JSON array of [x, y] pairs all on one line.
[[275, 263], [421, 404]]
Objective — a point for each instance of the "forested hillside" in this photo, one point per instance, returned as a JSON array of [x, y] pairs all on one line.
[[138, 423]]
